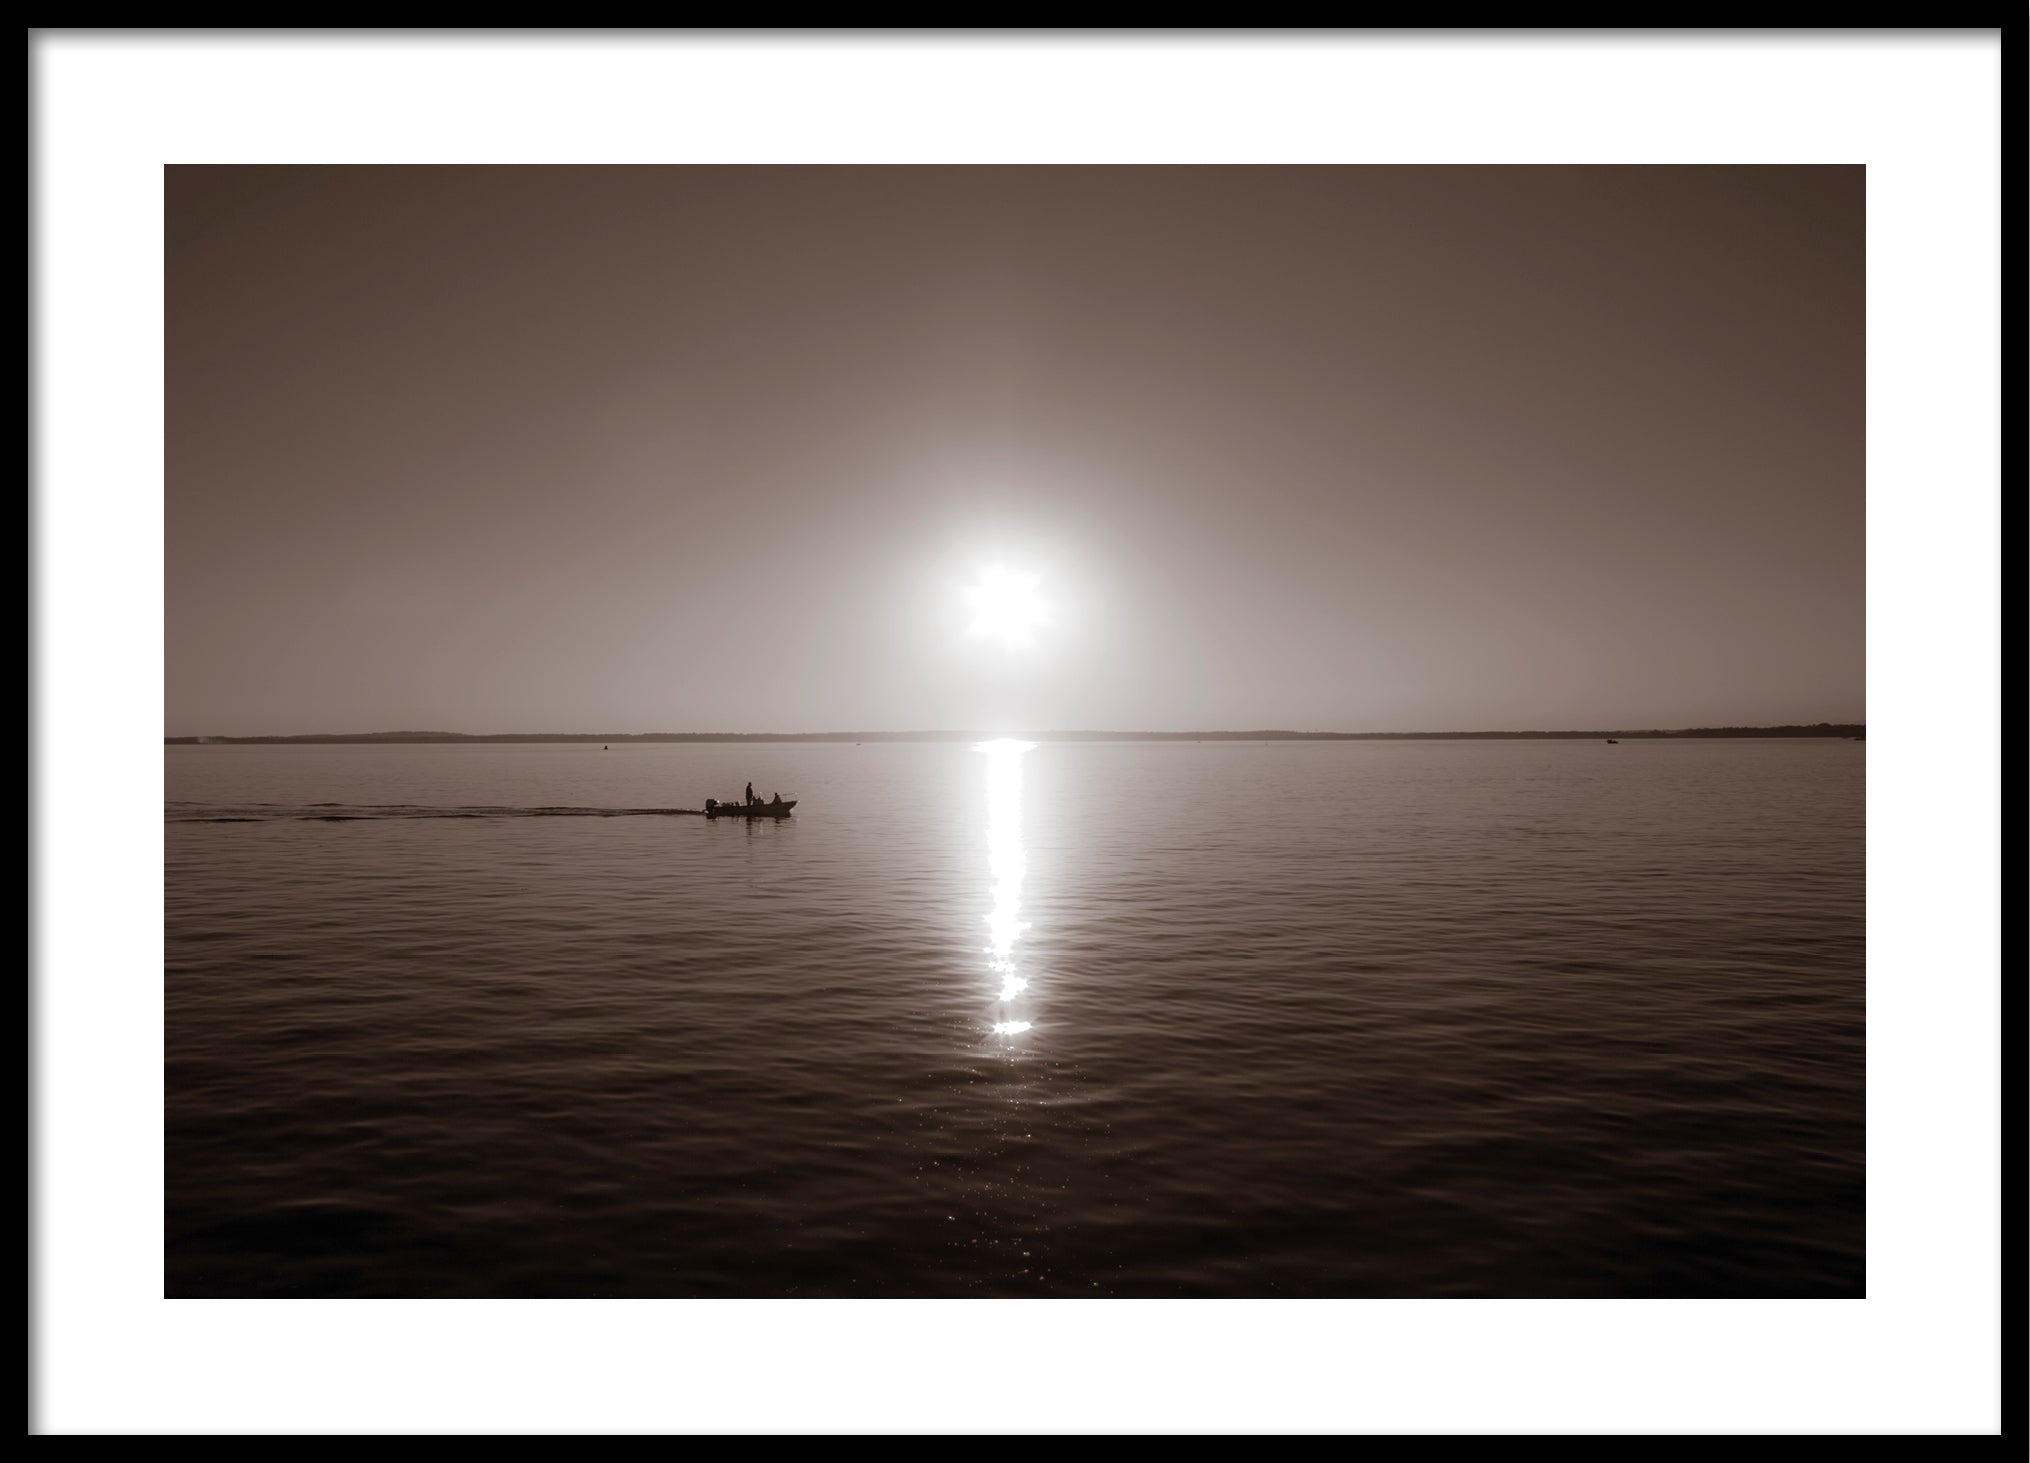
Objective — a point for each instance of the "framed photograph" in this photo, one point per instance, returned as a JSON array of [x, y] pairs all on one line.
[[816, 696]]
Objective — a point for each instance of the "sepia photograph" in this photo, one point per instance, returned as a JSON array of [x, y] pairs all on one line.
[[1015, 731], [806, 689]]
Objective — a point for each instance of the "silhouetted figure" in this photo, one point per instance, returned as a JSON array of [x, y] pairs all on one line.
[[750, 794], [776, 801]]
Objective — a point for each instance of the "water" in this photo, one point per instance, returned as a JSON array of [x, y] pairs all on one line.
[[1312, 1019]]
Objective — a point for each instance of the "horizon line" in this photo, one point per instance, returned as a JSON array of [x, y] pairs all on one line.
[[1793, 729]]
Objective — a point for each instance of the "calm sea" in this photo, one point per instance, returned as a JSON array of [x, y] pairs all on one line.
[[1141, 1019]]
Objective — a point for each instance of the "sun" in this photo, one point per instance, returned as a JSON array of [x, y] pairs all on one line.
[[1007, 607]]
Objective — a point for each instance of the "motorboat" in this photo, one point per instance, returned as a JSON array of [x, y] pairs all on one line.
[[737, 809]]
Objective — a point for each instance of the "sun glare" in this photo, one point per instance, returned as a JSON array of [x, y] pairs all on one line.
[[1007, 607]]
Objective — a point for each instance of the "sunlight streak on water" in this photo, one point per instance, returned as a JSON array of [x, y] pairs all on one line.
[[1007, 862]]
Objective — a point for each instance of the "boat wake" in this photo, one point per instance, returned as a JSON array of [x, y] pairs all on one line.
[[378, 812]]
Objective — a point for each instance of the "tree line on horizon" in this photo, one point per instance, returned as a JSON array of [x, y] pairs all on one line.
[[1847, 730]]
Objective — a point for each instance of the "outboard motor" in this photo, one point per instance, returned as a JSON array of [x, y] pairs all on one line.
[[711, 803]]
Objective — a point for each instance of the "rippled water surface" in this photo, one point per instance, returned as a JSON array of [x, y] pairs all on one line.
[[1328, 1019]]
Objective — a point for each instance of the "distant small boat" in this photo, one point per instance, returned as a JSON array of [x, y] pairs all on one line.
[[1612, 742], [716, 809]]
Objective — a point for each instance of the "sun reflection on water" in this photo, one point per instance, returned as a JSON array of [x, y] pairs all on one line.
[[1007, 863]]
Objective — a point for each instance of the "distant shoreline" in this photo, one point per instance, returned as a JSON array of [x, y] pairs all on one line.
[[1835, 731]]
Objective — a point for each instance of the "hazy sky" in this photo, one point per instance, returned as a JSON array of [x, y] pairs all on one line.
[[631, 449]]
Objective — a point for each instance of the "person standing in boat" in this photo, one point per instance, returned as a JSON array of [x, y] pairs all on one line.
[[750, 794]]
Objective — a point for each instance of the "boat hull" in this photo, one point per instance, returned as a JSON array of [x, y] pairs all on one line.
[[754, 810]]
